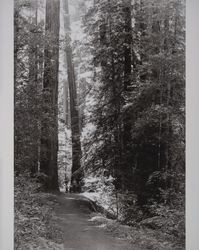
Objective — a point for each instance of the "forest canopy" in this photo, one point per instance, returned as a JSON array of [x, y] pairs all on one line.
[[100, 102]]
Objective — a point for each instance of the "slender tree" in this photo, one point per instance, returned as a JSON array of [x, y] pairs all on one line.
[[127, 82], [33, 87], [76, 144]]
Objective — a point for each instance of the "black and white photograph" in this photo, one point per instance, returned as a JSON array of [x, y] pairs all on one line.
[[99, 124]]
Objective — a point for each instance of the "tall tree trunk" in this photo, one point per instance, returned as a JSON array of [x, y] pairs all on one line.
[[66, 84], [127, 176], [49, 136], [66, 104], [168, 127], [33, 84], [76, 144], [108, 40]]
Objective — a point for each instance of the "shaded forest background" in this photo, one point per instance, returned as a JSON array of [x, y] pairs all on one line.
[[100, 105]]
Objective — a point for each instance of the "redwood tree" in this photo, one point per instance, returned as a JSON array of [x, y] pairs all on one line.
[[74, 112], [49, 137]]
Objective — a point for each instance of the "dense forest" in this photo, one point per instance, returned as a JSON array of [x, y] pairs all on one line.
[[100, 107]]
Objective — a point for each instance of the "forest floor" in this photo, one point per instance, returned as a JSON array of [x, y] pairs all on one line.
[[82, 227], [59, 221]]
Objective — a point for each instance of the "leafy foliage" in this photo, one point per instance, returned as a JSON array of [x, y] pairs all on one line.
[[29, 40], [138, 115], [33, 217], [130, 65], [138, 112]]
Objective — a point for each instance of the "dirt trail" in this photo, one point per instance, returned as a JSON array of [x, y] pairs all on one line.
[[74, 212]]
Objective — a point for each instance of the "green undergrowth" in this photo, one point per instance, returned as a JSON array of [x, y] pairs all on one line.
[[35, 226], [164, 229], [139, 235], [157, 226]]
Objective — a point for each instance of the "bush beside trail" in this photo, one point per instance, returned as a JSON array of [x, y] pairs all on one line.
[[34, 224]]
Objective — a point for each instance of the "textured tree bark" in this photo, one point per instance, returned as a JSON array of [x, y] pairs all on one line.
[[33, 77], [66, 85], [49, 130], [168, 127], [66, 104], [127, 176], [76, 144], [117, 170]]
